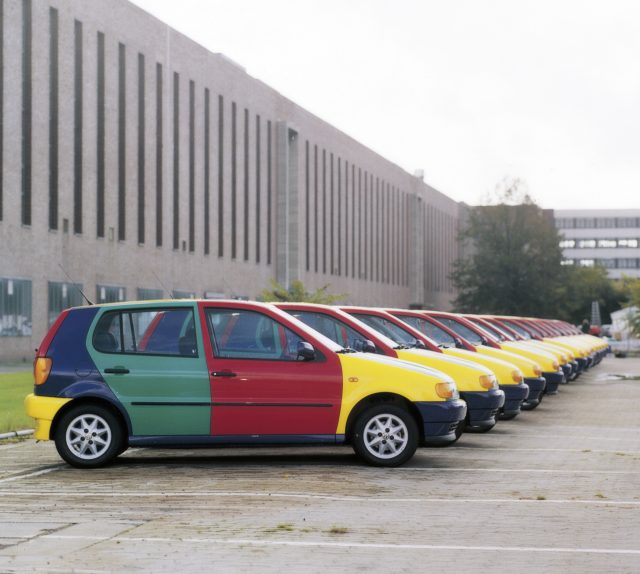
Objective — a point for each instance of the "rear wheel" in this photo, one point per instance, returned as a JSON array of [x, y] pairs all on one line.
[[88, 436], [385, 435]]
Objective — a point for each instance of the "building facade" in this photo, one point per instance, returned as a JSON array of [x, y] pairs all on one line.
[[607, 237], [136, 164]]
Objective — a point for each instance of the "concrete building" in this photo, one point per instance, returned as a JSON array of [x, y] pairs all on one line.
[[139, 162], [608, 237]]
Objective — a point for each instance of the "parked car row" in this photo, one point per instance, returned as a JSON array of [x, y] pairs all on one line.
[[210, 373]]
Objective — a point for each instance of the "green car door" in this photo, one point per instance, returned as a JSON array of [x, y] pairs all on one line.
[[152, 358]]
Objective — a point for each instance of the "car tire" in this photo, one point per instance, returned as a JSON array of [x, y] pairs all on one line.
[[385, 435], [88, 436]]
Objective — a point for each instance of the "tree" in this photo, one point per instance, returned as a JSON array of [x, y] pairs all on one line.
[[632, 287], [582, 286], [514, 263], [298, 294]]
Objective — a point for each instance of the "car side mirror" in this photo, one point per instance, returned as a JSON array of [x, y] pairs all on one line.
[[306, 352], [419, 344], [458, 343], [368, 346]]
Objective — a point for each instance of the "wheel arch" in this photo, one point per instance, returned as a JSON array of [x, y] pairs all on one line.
[[378, 399], [91, 400]]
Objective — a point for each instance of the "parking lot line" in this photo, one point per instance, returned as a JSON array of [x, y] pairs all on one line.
[[528, 435], [527, 470], [581, 450], [312, 496], [31, 474], [349, 545]]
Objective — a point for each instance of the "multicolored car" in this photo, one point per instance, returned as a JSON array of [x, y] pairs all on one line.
[[207, 373]]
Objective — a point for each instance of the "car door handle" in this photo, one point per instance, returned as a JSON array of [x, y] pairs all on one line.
[[117, 371], [222, 374]]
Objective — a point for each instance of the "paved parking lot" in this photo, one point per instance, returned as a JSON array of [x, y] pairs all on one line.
[[556, 490]]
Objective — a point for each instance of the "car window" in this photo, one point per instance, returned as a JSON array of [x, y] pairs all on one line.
[[148, 332], [107, 336], [245, 334], [336, 330]]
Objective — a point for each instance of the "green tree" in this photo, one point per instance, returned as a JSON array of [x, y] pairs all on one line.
[[514, 261], [583, 285], [298, 294], [632, 287]]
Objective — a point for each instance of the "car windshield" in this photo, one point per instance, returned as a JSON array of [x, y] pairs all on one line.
[[439, 335], [517, 328], [326, 341], [497, 333], [389, 329], [461, 330], [332, 328]]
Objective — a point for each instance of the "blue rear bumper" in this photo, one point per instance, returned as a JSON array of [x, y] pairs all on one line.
[[441, 419]]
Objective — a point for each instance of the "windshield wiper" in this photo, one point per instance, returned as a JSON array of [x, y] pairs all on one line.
[[346, 350]]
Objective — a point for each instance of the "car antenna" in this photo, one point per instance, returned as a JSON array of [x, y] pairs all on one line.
[[75, 285], [163, 285]]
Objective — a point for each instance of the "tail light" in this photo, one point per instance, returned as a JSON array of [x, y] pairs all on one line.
[[41, 369]]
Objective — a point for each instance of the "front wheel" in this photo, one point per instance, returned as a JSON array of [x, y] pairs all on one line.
[[88, 436], [385, 435]]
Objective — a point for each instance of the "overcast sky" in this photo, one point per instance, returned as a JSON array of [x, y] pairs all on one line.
[[471, 91]]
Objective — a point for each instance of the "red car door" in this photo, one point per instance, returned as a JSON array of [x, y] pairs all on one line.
[[259, 385]]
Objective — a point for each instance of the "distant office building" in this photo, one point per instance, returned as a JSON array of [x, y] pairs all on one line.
[[607, 237], [142, 163]]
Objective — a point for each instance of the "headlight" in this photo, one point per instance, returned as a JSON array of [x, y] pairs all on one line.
[[447, 390], [488, 382], [537, 371], [556, 365], [517, 376]]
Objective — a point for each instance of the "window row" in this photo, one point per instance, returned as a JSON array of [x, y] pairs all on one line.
[[16, 301], [140, 81], [355, 222], [596, 222], [617, 263], [597, 243]]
